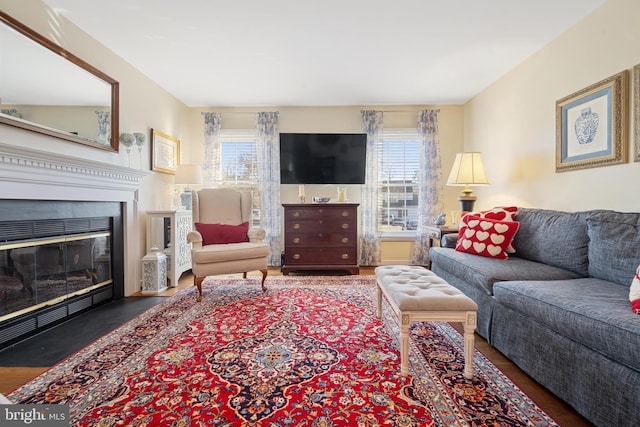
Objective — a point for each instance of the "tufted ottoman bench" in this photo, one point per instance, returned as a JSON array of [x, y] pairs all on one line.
[[417, 295]]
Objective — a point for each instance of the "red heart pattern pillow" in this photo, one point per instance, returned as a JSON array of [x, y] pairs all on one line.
[[507, 213], [485, 236]]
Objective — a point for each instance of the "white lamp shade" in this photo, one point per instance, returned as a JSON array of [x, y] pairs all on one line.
[[188, 174], [468, 169]]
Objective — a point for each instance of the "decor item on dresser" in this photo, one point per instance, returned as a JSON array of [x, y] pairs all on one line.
[[188, 175], [212, 209], [467, 169], [562, 301], [591, 125], [321, 237], [165, 152]]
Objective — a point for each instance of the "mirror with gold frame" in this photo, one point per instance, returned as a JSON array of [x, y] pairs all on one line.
[[46, 89]]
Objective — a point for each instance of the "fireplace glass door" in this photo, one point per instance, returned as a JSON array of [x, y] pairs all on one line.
[[40, 273]]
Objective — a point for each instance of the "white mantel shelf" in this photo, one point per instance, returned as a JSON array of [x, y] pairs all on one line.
[[21, 164]]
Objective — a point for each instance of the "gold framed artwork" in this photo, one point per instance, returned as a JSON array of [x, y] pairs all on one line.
[[636, 112], [165, 152], [591, 125]]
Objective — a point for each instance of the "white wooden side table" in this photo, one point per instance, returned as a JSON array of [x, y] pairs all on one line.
[[168, 229]]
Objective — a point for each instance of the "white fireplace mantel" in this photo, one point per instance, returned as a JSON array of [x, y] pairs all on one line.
[[31, 174]]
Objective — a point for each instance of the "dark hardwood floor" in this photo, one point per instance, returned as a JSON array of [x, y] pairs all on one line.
[[26, 360]]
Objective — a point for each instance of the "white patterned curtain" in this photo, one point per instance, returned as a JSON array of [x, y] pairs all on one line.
[[104, 128], [268, 151], [369, 238], [429, 182], [211, 173]]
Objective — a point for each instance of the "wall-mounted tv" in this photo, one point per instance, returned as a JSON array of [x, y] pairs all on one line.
[[322, 158]]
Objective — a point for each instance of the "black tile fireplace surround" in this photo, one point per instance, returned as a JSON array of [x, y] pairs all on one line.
[[58, 259]]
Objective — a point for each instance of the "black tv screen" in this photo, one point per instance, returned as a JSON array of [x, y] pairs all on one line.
[[322, 158]]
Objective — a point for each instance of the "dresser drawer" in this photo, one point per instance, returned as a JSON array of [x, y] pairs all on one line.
[[326, 238], [320, 212], [327, 225], [320, 256]]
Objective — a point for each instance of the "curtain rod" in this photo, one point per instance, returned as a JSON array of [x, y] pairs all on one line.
[[241, 112], [405, 111]]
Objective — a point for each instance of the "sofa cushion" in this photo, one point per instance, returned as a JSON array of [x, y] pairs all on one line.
[[592, 312], [613, 245], [483, 272], [555, 238], [485, 236]]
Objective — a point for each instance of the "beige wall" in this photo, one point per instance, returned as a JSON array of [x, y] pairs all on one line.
[[513, 121]]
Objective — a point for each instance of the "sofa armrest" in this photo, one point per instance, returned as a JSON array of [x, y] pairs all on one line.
[[449, 241], [256, 235]]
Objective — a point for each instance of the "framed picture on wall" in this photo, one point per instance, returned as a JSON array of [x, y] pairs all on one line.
[[591, 125], [636, 112], [165, 152]]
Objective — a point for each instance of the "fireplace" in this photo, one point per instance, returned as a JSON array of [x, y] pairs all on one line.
[[68, 241]]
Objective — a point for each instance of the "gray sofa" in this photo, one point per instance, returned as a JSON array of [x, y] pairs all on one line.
[[559, 307]]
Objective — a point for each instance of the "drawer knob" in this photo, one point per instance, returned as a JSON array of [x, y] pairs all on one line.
[[345, 256], [296, 256], [296, 240], [345, 226], [345, 213], [296, 213], [296, 226], [345, 240]]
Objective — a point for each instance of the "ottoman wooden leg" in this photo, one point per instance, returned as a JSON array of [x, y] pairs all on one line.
[[379, 302], [469, 342], [405, 322]]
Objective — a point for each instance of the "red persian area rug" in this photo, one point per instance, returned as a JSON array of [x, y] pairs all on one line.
[[307, 352]]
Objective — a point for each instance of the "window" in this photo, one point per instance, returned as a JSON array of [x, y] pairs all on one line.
[[397, 177], [239, 165]]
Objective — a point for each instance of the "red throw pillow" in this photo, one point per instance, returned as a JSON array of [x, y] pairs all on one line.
[[485, 236], [213, 234], [507, 213]]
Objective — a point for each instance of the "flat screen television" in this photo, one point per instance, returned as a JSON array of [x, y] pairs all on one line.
[[322, 158]]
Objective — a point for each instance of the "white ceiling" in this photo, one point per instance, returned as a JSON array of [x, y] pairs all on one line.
[[212, 53]]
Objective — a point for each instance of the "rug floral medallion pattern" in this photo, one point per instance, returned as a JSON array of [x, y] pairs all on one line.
[[308, 352]]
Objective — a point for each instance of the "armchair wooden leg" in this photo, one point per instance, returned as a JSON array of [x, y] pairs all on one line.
[[264, 276], [198, 282], [244, 275]]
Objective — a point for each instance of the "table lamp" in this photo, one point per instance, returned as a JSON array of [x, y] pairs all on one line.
[[188, 175], [468, 169]]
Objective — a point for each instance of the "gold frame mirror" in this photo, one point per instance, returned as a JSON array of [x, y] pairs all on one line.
[[47, 89]]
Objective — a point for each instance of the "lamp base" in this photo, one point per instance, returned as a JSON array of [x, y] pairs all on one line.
[[185, 199], [467, 202]]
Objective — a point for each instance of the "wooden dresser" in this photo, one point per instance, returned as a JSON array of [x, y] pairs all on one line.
[[321, 236]]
